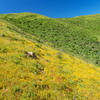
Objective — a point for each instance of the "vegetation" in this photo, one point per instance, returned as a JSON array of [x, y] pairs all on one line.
[[55, 75], [78, 36]]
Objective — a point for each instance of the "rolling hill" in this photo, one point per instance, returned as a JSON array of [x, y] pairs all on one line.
[[66, 66], [78, 36]]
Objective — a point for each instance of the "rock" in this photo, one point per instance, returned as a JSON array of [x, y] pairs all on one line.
[[31, 54], [2, 35]]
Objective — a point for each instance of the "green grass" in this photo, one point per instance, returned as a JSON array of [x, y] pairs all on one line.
[[79, 36]]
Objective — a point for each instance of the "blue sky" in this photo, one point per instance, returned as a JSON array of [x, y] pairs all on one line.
[[52, 8]]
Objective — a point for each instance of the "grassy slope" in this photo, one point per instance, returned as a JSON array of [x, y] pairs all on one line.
[[54, 76], [79, 36]]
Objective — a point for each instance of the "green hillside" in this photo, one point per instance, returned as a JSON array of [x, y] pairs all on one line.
[[78, 36], [66, 60]]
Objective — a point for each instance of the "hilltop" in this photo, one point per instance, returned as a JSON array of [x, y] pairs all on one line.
[[68, 57]]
